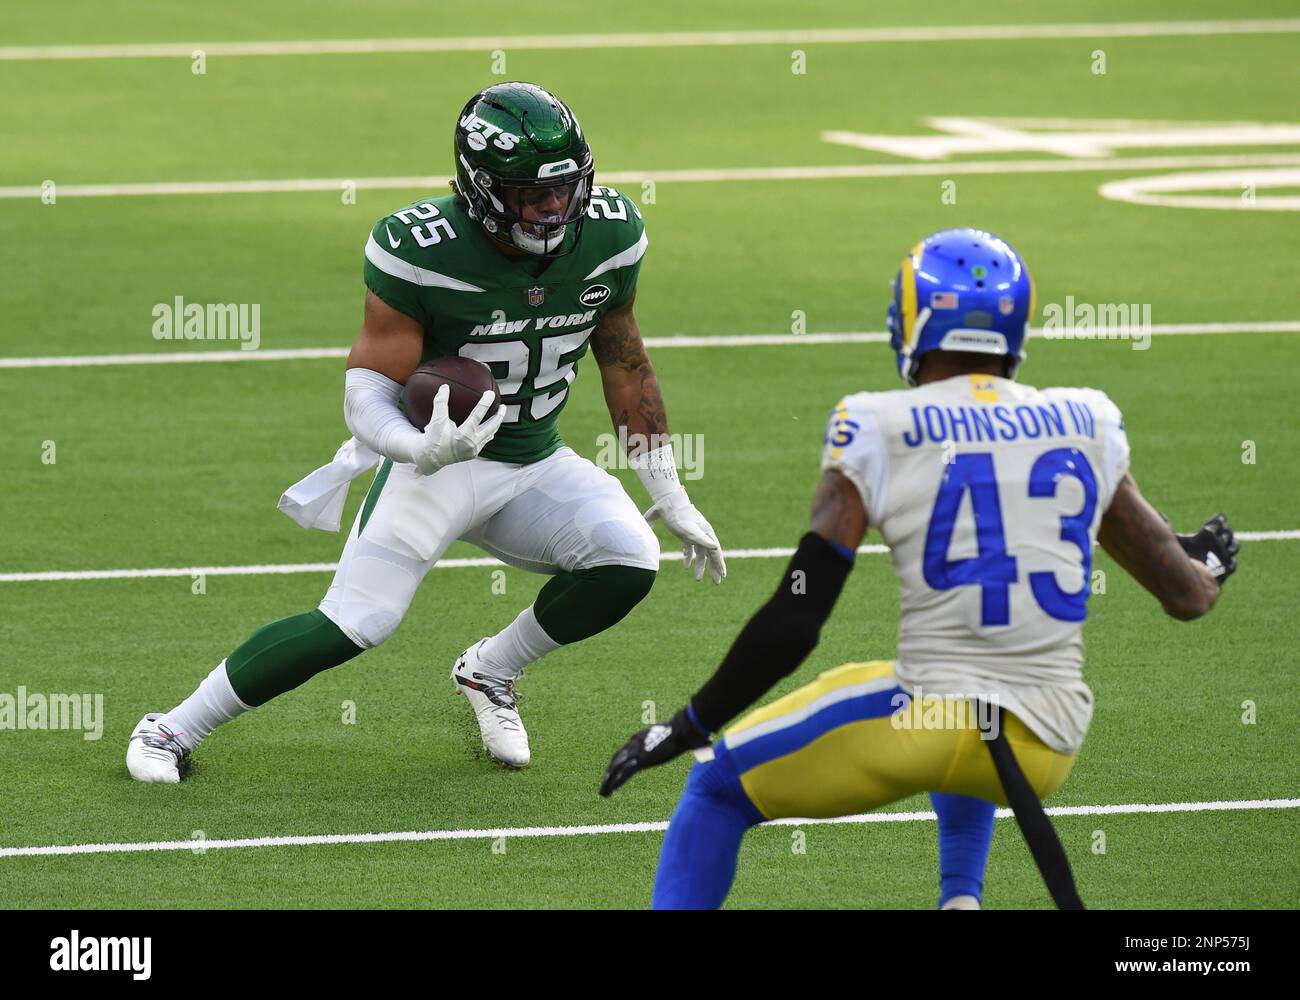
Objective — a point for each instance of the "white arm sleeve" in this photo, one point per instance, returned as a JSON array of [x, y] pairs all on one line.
[[370, 410]]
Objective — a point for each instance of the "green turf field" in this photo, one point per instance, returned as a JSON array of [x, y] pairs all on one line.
[[179, 465]]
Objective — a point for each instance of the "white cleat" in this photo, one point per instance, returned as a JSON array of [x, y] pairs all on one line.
[[962, 903], [154, 754], [493, 701]]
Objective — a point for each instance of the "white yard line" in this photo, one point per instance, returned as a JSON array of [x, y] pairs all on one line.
[[279, 569], [690, 176], [189, 356], [593, 830], [650, 40], [176, 358], [288, 568], [976, 135]]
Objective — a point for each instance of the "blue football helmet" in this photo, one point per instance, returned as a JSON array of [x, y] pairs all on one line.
[[960, 290]]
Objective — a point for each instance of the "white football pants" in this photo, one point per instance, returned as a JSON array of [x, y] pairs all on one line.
[[562, 513]]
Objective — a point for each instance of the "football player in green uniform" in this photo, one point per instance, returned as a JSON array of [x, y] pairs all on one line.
[[522, 267]]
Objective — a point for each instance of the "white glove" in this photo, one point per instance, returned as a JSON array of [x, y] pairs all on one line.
[[700, 546], [445, 443]]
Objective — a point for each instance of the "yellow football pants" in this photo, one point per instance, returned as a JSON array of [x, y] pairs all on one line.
[[849, 742]]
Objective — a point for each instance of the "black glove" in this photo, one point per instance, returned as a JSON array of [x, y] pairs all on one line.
[[651, 747], [1214, 545]]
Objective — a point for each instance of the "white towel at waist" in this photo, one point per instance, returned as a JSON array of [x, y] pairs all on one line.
[[317, 500]]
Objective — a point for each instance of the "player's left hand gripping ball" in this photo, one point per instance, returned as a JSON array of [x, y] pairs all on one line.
[[651, 747], [445, 442], [1215, 545], [700, 546]]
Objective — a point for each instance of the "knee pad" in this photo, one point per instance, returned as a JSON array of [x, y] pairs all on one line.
[[371, 592], [645, 549], [372, 628], [608, 536], [364, 622]]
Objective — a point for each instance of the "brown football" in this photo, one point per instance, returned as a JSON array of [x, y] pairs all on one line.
[[468, 379]]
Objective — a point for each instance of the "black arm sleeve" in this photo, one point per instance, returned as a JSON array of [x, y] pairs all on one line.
[[779, 637]]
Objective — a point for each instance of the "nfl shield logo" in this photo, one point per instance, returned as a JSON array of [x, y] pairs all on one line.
[[1006, 305], [536, 295]]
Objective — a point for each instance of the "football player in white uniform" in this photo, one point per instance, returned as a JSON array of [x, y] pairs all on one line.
[[990, 496]]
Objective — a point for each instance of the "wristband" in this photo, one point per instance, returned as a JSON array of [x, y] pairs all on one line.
[[657, 471]]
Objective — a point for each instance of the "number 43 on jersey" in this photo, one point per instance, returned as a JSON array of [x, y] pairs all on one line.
[[993, 569]]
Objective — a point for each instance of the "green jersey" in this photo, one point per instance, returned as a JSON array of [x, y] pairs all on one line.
[[527, 319]]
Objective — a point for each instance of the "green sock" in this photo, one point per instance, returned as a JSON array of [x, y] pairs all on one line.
[[280, 656], [574, 606]]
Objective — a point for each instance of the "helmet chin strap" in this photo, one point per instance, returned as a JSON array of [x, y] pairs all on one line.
[[906, 366]]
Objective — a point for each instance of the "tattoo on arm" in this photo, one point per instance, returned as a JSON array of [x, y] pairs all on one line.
[[1135, 535], [631, 386], [837, 511]]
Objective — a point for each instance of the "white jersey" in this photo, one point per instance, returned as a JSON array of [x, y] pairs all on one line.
[[989, 495]]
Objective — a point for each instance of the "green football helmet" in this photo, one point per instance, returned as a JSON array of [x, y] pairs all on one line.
[[524, 168]]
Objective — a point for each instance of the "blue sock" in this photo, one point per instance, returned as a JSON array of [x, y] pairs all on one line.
[[698, 860], [965, 833]]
